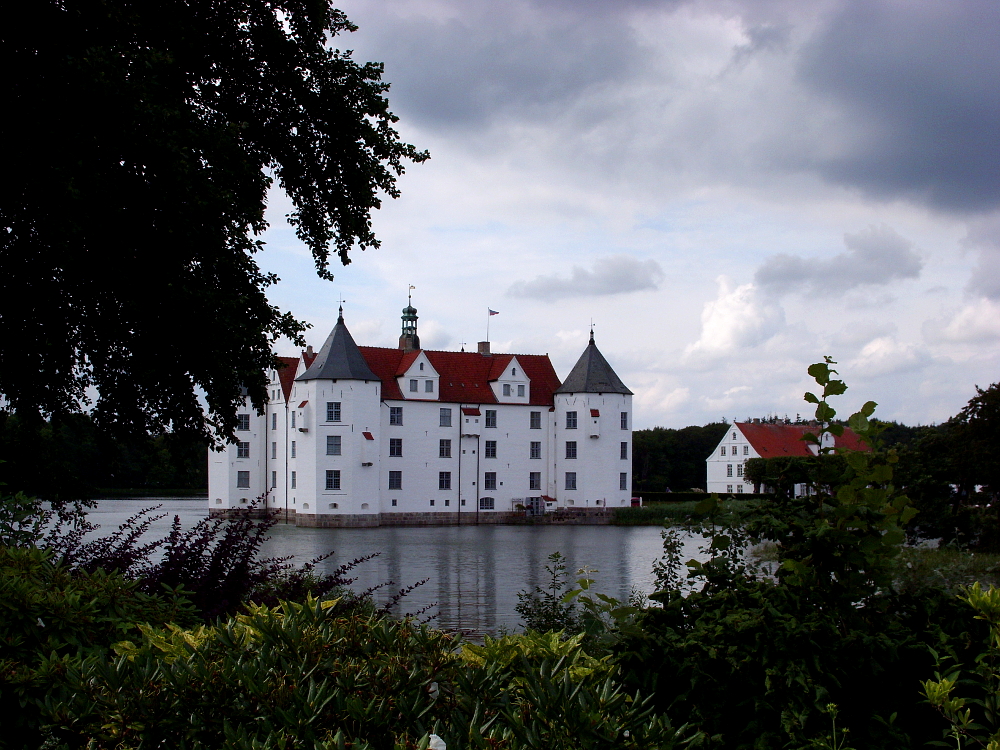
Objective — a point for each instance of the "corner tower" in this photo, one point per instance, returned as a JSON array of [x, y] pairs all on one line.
[[593, 435], [335, 423]]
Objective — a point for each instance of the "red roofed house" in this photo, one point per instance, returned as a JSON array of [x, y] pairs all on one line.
[[746, 440], [365, 436]]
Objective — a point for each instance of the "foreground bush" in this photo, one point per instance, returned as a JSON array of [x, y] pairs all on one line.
[[301, 676]]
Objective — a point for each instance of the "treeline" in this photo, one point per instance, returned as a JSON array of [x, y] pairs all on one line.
[[665, 459], [70, 458]]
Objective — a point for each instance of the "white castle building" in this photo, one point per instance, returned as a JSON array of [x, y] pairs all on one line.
[[368, 436]]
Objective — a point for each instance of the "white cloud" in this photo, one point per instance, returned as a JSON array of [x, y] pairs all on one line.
[[618, 274], [976, 322], [885, 355], [738, 318]]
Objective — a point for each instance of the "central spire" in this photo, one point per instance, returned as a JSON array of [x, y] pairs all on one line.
[[408, 339]]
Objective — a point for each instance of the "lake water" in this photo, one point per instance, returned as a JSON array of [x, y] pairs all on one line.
[[473, 573]]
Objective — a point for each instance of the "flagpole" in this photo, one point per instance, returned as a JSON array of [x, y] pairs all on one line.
[[488, 316]]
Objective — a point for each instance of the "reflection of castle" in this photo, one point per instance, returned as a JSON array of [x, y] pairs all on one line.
[[363, 436]]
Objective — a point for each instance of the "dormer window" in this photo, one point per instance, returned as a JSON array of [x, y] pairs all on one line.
[[413, 386], [429, 386], [506, 389]]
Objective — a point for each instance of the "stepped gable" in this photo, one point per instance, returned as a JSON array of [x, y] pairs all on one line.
[[286, 374], [593, 374], [464, 376], [772, 440], [339, 359]]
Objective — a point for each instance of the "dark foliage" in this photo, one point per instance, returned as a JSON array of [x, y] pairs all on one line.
[[68, 457], [665, 458], [148, 136]]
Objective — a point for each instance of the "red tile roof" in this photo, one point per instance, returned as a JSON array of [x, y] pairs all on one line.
[[771, 440], [286, 374], [465, 376]]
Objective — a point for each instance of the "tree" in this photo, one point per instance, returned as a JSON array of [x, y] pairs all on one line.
[[142, 141]]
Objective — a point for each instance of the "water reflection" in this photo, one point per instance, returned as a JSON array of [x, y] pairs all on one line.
[[473, 573]]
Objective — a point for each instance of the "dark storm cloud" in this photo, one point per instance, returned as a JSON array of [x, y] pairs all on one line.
[[919, 84], [499, 59], [876, 255], [619, 274]]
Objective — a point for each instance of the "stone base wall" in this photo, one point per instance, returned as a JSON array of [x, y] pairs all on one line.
[[564, 516], [280, 513]]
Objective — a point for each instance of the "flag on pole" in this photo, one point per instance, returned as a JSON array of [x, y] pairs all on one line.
[[493, 312]]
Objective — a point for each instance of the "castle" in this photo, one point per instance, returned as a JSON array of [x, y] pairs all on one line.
[[368, 436]]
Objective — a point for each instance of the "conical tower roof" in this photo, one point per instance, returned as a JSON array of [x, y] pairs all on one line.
[[592, 374], [340, 358]]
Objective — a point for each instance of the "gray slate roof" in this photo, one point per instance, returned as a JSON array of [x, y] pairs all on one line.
[[339, 358], [592, 374]]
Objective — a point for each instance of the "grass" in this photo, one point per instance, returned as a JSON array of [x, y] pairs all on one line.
[[919, 569]]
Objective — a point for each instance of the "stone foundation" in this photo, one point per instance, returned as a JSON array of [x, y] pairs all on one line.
[[563, 516]]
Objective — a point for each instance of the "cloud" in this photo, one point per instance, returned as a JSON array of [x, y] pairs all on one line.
[[737, 319], [976, 323], [618, 274], [984, 236], [876, 255], [885, 355], [916, 85]]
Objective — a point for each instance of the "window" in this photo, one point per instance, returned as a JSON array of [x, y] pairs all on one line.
[[274, 421], [274, 479], [421, 367], [293, 420], [729, 471], [624, 420], [490, 480], [242, 421], [396, 415], [729, 488], [571, 420], [333, 479], [333, 445], [513, 372], [623, 481], [444, 418], [535, 480], [332, 411], [506, 389], [243, 480], [491, 417], [395, 447], [570, 480], [432, 501], [739, 470], [491, 449], [570, 449], [243, 450], [293, 449], [746, 450], [413, 386], [520, 391], [624, 451], [487, 503], [536, 450], [447, 502], [395, 480], [429, 386], [444, 448], [274, 451], [723, 450], [444, 480], [535, 422], [293, 480], [394, 502], [739, 488], [734, 436]]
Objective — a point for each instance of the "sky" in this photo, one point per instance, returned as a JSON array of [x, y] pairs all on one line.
[[728, 191]]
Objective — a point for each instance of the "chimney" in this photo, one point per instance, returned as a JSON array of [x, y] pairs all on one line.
[[484, 347], [309, 350]]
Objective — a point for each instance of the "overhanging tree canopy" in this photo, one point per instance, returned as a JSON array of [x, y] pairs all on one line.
[[142, 138]]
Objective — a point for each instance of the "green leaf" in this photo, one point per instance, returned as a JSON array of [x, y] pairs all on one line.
[[869, 408], [825, 412], [834, 388], [820, 372], [707, 506], [811, 398]]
